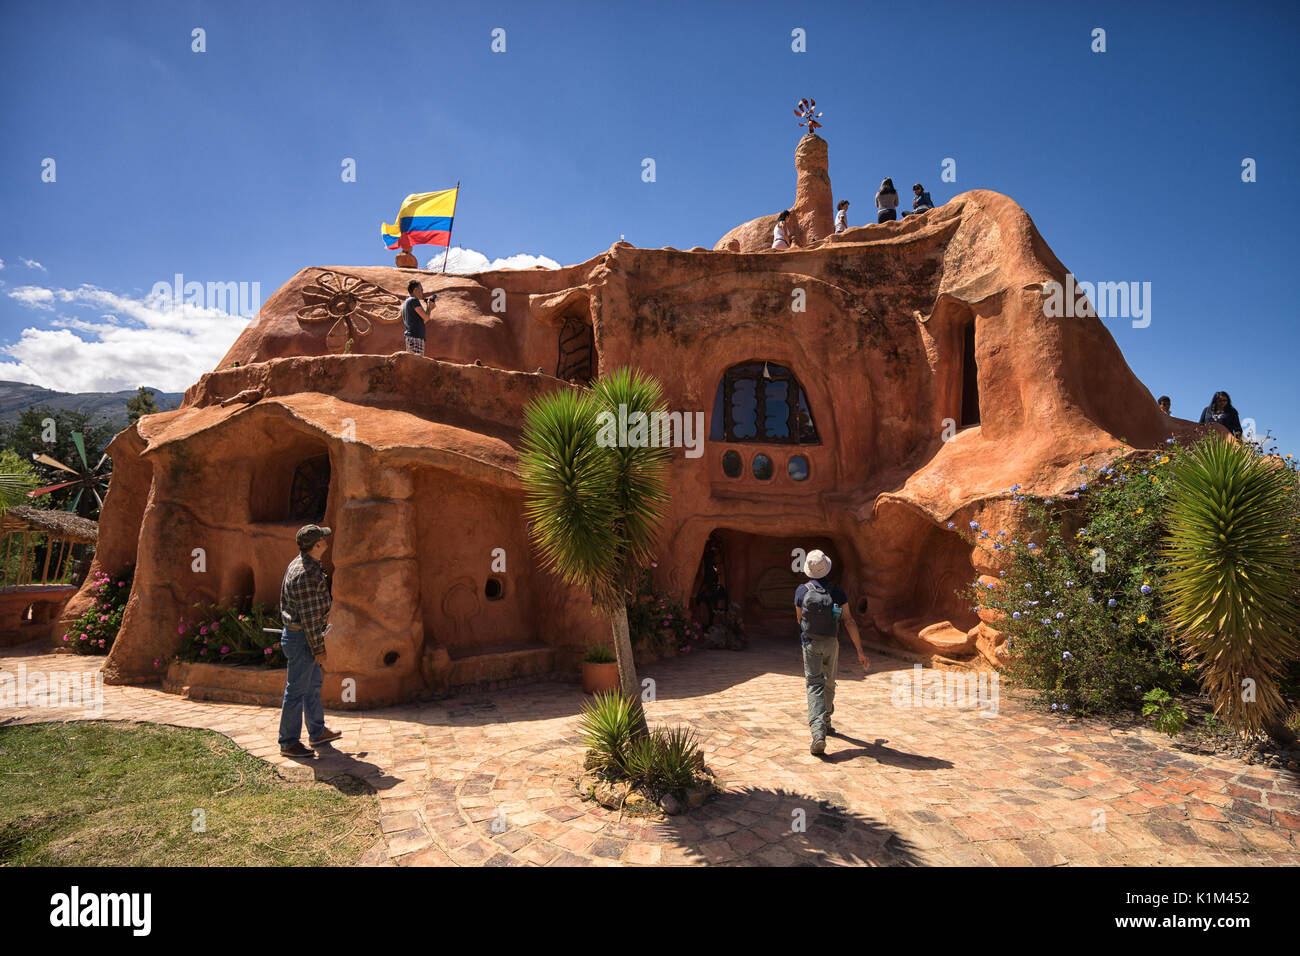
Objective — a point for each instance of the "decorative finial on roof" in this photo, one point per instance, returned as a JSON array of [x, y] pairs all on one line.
[[806, 115]]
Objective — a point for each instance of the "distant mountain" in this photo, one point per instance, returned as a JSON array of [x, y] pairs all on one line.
[[15, 397]]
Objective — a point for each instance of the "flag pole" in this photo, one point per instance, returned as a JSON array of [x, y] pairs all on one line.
[[453, 226]]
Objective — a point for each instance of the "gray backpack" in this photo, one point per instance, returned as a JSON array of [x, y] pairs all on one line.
[[818, 619]]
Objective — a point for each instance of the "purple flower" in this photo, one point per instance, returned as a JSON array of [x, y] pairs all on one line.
[[1145, 589], [1031, 546], [1053, 707], [1060, 614], [1016, 615], [1111, 603], [949, 524], [1084, 486], [975, 525]]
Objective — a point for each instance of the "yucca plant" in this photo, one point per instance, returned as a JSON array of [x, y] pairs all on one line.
[[593, 505], [678, 757], [1233, 568], [608, 724]]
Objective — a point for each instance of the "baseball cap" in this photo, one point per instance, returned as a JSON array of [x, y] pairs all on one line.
[[309, 534]]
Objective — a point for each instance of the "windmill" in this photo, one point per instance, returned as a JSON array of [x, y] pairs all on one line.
[[86, 477], [806, 115]]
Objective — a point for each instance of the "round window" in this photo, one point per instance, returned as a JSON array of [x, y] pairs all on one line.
[[762, 467], [731, 464], [798, 468]]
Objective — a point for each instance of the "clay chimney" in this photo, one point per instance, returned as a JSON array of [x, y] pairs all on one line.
[[813, 213]]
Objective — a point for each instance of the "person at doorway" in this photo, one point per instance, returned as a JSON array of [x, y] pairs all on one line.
[[820, 607], [414, 315], [304, 607]]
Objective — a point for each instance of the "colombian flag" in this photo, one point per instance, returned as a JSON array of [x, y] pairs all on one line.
[[424, 220]]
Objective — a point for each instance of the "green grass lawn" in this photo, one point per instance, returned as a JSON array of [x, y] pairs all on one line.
[[122, 794]]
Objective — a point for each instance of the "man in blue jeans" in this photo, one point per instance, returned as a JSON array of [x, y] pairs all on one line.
[[304, 607], [820, 607]]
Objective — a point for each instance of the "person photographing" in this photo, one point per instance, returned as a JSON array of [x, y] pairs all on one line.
[[304, 609], [416, 310]]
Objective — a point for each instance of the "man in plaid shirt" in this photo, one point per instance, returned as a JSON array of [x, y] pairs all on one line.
[[304, 606]]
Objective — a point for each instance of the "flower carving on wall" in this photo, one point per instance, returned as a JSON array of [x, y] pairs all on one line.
[[351, 303]]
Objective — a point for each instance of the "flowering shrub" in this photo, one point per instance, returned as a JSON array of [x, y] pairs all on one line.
[[227, 635], [656, 619], [1082, 610], [95, 631]]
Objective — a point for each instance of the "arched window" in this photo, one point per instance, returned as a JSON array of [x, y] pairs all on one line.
[[762, 402]]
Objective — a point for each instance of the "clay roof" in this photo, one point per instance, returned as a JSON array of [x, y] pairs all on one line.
[[65, 524]]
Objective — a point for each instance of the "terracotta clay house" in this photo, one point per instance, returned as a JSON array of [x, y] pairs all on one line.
[[860, 391]]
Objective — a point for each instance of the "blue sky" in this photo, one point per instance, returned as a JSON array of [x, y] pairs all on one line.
[[225, 165]]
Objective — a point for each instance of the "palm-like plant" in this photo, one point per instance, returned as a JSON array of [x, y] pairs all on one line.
[[593, 506], [13, 490], [1233, 563]]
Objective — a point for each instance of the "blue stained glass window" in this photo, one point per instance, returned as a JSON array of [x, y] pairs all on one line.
[[744, 408], [762, 402]]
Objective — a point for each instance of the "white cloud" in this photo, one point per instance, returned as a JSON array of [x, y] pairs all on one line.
[[32, 264], [34, 297], [149, 341], [2, 263], [462, 261]]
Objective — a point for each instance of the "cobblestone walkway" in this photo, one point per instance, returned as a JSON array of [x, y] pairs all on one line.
[[487, 779]]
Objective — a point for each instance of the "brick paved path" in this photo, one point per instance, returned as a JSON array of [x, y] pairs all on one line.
[[488, 778]]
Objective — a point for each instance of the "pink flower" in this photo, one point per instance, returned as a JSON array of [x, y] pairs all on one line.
[[267, 652], [214, 625], [101, 642], [103, 617], [181, 629], [65, 637], [225, 649], [203, 651], [654, 564], [83, 637], [203, 630], [121, 584]]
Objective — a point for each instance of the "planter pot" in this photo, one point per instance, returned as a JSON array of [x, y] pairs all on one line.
[[598, 677]]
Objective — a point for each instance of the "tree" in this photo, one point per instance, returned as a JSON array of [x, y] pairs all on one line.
[[142, 404], [1232, 554], [594, 505]]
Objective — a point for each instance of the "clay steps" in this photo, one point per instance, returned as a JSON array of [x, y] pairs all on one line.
[[937, 638], [473, 666]]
